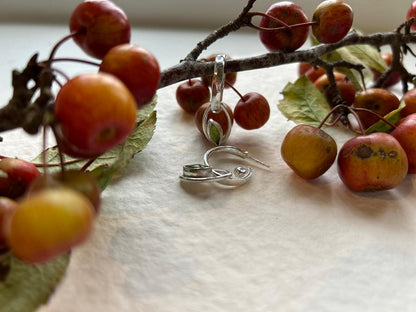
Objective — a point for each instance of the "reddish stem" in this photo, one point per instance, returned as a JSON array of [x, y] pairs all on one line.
[[374, 113], [69, 59], [234, 89], [360, 124], [284, 25], [335, 108], [60, 42]]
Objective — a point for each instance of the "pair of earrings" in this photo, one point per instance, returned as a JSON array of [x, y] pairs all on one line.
[[205, 172]]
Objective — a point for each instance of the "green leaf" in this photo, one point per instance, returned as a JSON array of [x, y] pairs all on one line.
[[303, 103], [393, 117], [214, 131], [365, 55], [117, 159], [24, 287]]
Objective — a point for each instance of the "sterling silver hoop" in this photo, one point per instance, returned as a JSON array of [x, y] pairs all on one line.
[[206, 173]]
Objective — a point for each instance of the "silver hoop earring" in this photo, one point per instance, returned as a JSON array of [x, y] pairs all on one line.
[[206, 173]]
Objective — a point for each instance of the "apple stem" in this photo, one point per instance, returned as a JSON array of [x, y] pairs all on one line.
[[360, 124], [332, 111], [377, 115], [234, 89], [61, 155], [87, 164], [69, 59], [44, 144], [54, 164], [60, 42], [284, 25]]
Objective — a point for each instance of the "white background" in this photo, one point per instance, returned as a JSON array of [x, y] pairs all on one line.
[[370, 15]]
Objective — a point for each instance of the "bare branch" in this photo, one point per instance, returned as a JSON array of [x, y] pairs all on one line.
[[191, 68]]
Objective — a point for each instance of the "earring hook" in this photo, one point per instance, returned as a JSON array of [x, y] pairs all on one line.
[[212, 130]]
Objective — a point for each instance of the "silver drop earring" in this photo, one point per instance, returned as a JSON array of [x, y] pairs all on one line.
[[216, 134]]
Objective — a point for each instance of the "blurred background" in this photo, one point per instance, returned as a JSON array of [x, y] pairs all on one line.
[[370, 15]]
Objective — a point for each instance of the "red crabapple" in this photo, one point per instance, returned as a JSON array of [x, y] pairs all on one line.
[[409, 99], [252, 111], [286, 39], [405, 133], [16, 175], [100, 25], [411, 12], [394, 77], [95, 112], [191, 94], [136, 67], [372, 162], [345, 86], [377, 100], [333, 20]]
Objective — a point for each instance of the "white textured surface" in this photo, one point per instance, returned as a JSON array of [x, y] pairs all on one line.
[[276, 244]]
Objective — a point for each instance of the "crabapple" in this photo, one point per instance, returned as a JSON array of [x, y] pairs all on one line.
[[315, 73], [287, 38], [303, 67], [405, 133], [98, 26], [411, 12], [308, 151], [252, 111], [372, 162], [7, 207], [15, 176], [394, 77], [220, 117], [409, 99], [136, 67], [345, 86], [48, 223], [191, 94], [377, 100], [95, 112], [81, 181], [310, 71], [333, 20]]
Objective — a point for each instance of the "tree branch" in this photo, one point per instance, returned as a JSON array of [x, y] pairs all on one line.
[[191, 68]]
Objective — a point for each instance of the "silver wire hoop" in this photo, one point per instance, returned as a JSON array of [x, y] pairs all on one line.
[[203, 173], [213, 131], [240, 174], [206, 173]]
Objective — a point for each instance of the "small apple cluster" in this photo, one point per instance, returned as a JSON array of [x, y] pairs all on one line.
[[367, 162], [252, 111], [45, 214], [379, 158], [319, 77], [285, 26]]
